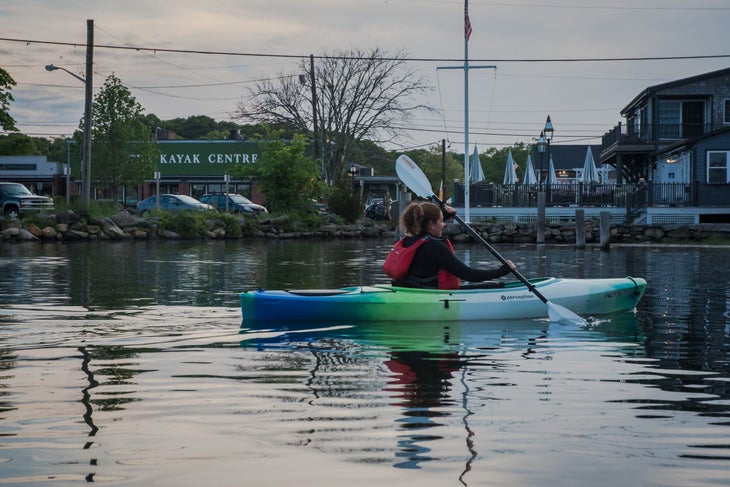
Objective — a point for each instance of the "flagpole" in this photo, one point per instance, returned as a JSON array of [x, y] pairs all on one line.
[[467, 33], [466, 68]]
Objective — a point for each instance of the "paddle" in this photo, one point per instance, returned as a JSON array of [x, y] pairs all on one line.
[[412, 176]]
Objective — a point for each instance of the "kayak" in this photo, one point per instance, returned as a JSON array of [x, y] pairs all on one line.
[[501, 301]]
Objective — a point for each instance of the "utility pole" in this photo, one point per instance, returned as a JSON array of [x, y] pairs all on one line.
[[312, 81], [86, 176]]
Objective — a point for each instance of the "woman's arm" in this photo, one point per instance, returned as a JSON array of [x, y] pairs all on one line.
[[440, 253]]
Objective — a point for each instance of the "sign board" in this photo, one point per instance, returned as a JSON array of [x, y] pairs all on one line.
[[204, 157]]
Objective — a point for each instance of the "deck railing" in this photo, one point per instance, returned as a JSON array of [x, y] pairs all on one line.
[[633, 197], [647, 134]]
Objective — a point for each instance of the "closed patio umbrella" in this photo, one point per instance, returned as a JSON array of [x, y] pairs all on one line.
[[475, 168], [551, 178], [510, 176], [590, 174], [529, 177]]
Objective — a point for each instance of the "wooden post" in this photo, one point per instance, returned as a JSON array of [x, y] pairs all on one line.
[[605, 230], [580, 228], [540, 237]]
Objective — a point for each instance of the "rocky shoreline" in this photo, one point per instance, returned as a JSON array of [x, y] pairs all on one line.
[[71, 227]]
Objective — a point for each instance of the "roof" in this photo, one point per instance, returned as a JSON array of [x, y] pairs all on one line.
[[647, 92], [565, 156]]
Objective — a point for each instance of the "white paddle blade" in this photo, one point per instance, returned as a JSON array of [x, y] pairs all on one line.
[[413, 177], [559, 314]]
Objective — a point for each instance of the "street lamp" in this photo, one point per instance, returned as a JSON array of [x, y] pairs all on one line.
[[86, 148], [548, 135], [541, 150], [51, 67]]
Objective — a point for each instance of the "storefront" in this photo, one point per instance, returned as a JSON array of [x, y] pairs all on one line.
[[197, 167]]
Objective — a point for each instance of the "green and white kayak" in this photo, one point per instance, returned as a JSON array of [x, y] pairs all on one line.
[[505, 301]]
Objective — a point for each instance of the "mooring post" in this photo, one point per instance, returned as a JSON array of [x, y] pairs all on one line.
[[580, 228]]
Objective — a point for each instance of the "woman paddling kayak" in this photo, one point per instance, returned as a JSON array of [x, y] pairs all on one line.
[[424, 258]]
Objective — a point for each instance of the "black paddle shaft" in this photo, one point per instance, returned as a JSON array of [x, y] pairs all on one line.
[[491, 249]]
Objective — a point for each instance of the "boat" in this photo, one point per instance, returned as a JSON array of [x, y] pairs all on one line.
[[501, 301]]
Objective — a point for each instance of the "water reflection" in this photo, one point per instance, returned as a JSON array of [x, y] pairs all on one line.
[[142, 340]]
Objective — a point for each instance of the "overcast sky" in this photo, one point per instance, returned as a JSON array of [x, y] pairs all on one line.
[[507, 104]]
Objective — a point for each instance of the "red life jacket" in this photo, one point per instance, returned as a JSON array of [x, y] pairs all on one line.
[[399, 260]]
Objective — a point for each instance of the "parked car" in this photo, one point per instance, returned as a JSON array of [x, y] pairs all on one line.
[[17, 200], [236, 203], [376, 210], [175, 203]]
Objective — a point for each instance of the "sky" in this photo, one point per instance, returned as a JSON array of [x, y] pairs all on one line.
[[574, 60]]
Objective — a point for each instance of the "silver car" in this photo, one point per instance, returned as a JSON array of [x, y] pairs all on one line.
[[175, 203]]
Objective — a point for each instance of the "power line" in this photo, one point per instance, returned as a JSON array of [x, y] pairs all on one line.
[[351, 58]]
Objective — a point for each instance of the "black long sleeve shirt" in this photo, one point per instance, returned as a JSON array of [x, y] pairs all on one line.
[[434, 255]]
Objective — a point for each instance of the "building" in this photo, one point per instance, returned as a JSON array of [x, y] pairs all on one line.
[[39, 175], [677, 138]]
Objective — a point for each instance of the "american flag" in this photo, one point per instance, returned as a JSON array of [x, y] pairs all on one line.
[[467, 24]]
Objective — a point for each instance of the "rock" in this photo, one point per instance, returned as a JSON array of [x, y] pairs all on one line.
[[68, 217], [654, 233], [112, 230], [49, 233], [167, 234], [75, 235], [25, 236], [34, 229], [10, 233], [124, 219]]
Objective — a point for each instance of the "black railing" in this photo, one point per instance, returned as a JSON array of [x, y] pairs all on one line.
[[625, 134], [633, 197]]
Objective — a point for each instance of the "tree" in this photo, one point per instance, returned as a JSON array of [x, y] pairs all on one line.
[[124, 150], [359, 95], [7, 123], [430, 162], [286, 175]]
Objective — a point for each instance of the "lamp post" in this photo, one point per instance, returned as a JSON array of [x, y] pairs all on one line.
[[541, 150], [549, 130], [86, 150], [353, 173]]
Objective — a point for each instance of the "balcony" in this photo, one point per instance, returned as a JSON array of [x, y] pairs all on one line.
[[623, 135]]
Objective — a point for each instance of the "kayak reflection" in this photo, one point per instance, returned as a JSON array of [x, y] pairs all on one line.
[[433, 378]]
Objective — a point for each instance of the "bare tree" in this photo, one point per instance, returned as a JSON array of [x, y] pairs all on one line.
[[358, 95]]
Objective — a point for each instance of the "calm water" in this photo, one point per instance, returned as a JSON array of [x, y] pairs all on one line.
[[126, 364]]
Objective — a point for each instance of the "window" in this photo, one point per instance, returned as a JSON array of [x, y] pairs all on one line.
[[669, 119], [717, 167], [726, 115], [681, 118]]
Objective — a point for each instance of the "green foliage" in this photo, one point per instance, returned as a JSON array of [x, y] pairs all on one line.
[[187, 224], [287, 177], [97, 208], [124, 151], [343, 201], [237, 225], [430, 162], [15, 144], [7, 82]]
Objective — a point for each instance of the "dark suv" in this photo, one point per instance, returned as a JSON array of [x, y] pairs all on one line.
[[236, 203], [17, 200]]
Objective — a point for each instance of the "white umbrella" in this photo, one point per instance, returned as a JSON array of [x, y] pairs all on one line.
[[529, 177], [510, 176], [551, 178], [475, 168], [590, 174]]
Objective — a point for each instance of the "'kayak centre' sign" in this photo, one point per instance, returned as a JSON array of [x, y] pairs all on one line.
[[204, 157]]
